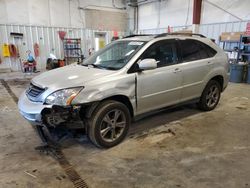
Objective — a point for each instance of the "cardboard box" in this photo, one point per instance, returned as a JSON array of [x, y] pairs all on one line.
[[231, 36], [183, 31]]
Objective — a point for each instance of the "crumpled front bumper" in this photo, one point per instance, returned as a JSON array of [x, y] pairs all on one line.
[[49, 121], [31, 110]]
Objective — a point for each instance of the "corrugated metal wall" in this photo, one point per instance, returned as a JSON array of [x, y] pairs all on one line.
[[214, 30], [209, 30], [165, 30], [48, 40]]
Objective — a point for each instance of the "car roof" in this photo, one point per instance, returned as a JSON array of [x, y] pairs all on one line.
[[139, 38], [149, 37], [163, 36]]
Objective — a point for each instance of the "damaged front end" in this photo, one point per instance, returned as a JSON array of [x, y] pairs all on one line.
[[68, 117], [60, 122]]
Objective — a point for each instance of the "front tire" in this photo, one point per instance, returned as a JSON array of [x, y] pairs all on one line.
[[210, 96], [109, 124]]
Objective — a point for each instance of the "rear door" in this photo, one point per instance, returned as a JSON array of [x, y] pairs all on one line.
[[196, 63], [159, 87]]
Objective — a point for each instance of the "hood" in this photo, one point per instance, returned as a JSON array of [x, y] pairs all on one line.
[[69, 76]]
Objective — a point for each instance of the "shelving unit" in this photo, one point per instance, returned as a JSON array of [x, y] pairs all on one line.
[[72, 50], [244, 56], [244, 49], [229, 41], [229, 46]]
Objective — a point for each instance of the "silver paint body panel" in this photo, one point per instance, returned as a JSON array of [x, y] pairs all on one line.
[[147, 90]]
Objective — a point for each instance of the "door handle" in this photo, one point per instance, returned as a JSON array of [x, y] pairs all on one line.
[[209, 62], [177, 70]]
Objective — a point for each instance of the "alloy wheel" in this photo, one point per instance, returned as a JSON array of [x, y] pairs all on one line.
[[112, 125], [212, 96]]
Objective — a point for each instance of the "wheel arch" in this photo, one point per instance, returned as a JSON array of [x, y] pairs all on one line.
[[219, 79], [119, 98], [123, 99]]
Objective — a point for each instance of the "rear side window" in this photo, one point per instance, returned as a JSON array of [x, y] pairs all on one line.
[[190, 50], [163, 51], [194, 50], [210, 51]]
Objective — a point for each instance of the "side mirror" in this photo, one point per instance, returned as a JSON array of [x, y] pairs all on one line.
[[147, 64]]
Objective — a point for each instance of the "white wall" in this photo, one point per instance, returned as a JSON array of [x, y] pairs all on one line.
[[131, 19], [211, 14], [161, 14], [40, 21], [57, 13], [164, 13]]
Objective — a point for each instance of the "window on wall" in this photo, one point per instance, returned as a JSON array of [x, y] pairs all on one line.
[[194, 50], [163, 51]]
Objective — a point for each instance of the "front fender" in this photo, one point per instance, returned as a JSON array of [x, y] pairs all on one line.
[[123, 85]]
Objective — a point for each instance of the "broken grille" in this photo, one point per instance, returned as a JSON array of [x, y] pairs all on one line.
[[34, 91]]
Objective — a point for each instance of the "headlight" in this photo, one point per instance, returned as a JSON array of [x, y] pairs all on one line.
[[63, 97]]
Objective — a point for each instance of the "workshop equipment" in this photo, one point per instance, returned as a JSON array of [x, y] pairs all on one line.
[[237, 72], [13, 51], [248, 74], [72, 50], [5, 50]]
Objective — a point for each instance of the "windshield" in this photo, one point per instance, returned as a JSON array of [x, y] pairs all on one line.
[[115, 55]]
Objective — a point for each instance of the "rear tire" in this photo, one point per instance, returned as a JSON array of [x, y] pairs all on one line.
[[109, 124], [210, 96]]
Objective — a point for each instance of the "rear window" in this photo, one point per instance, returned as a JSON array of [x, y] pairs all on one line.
[[210, 51], [194, 50]]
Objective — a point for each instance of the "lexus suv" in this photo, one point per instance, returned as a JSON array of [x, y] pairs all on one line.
[[129, 77]]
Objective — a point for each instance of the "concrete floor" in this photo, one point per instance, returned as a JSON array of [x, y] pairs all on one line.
[[183, 147]]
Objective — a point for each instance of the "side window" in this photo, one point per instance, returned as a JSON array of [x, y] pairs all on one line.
[[194, 50], [203, 51], [163, 51], [210, 51], [190, 50]]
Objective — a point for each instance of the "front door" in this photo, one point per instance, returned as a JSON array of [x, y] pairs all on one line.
[[159, 87]]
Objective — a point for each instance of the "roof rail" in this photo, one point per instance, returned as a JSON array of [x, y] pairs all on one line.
[[187, 34], [137, 35]]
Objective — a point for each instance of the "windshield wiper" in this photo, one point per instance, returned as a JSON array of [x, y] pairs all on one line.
[[100, 67], [94, 65], [111, 68]]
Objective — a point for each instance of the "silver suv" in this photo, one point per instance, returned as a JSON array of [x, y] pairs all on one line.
[[127, 78]]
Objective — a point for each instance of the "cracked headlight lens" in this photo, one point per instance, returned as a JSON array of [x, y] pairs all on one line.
[[63, 97]]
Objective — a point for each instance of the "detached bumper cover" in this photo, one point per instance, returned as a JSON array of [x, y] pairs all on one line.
[[31, 110]]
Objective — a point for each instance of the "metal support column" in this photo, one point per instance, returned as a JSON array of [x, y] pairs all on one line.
[[196, 15]]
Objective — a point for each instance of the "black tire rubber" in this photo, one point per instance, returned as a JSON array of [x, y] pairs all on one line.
[[202, 103], [38, 130], [94, 122], [52, 138]]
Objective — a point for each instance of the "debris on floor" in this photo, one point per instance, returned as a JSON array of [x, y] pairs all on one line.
[[180, 148]]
